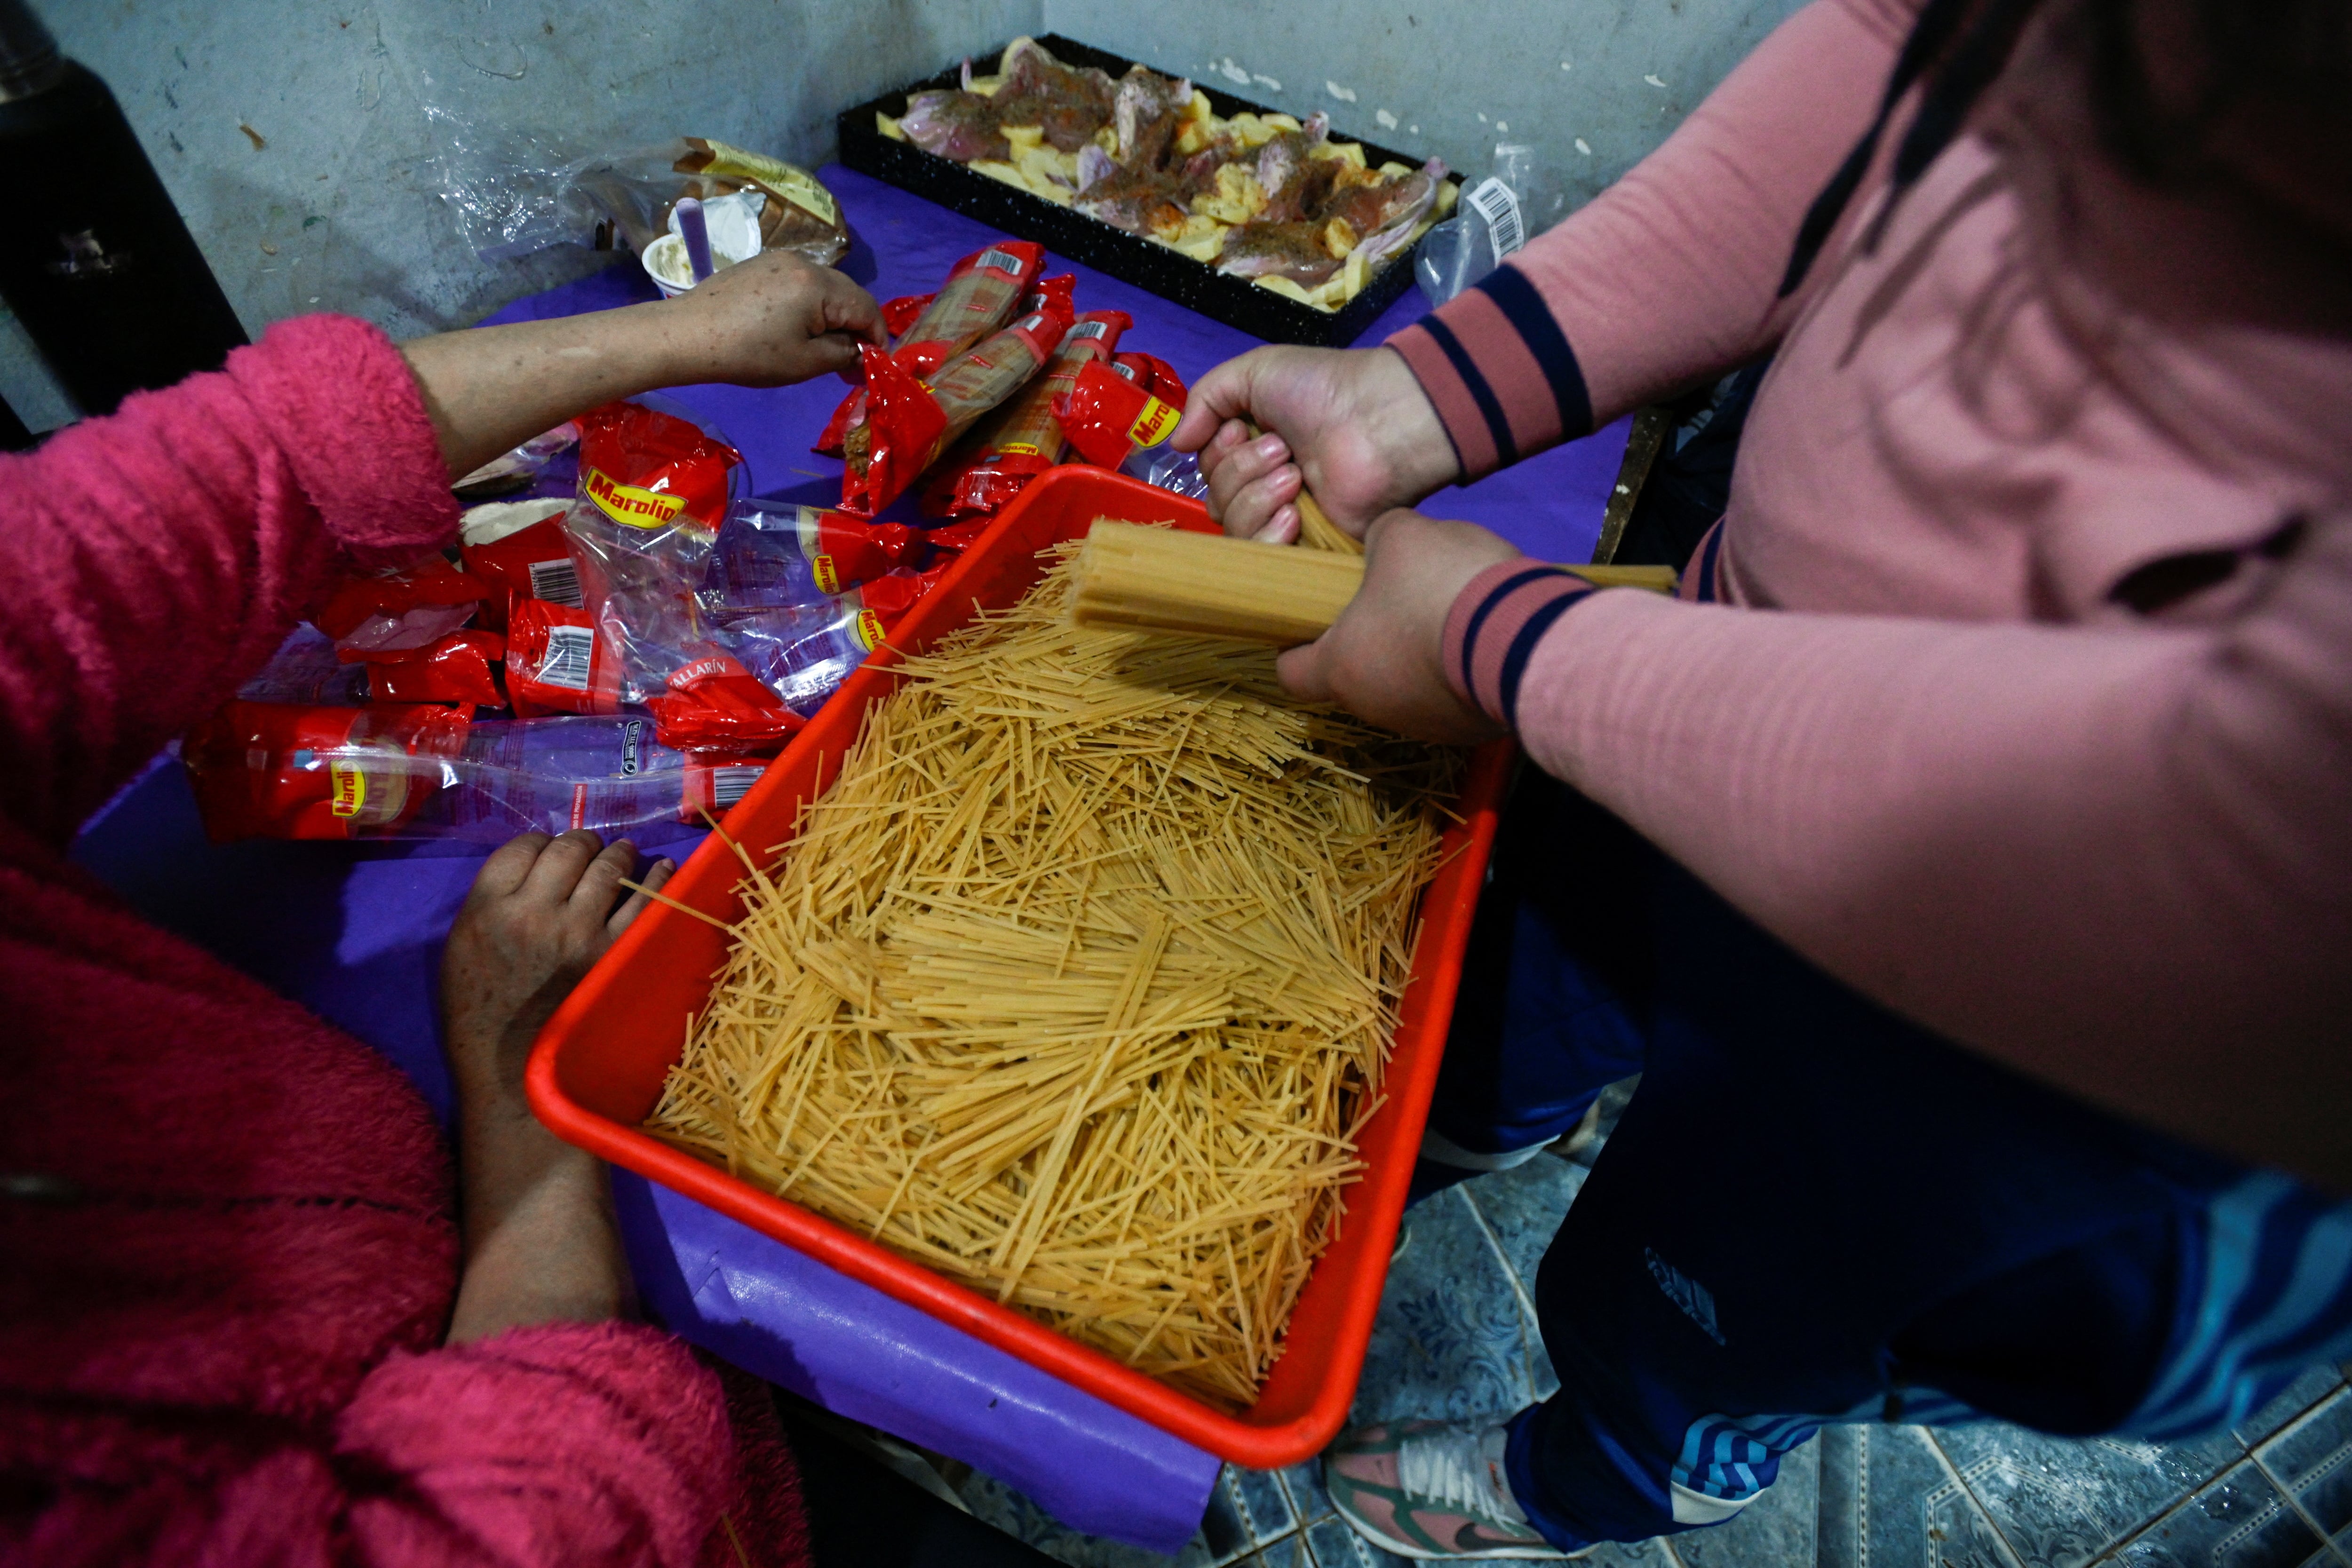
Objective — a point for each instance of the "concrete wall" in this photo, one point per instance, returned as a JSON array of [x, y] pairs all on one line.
[[300, 136], [1594, 84]]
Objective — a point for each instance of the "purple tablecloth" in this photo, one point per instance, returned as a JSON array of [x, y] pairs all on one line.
[[355, 932]]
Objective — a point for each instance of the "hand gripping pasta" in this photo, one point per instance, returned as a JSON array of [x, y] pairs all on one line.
[[1077, 983]]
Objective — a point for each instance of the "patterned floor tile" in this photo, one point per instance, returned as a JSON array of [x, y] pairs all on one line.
[[993, 1502], [2238, 1522], [1908, 1510], [1779, 1530], [2062, 1501], [2312, 1460], [1259, 1498], [1333, 1545], [2299, 1397], [1450, 1343], [1290, 1551], [1309, 1500]]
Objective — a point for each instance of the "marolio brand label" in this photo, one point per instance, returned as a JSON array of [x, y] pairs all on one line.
[[1019, 448], [630, 505], [869, 630], [349, 784], [828, 578], [1151, 426]]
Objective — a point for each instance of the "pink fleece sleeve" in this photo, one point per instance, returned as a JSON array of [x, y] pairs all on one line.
[[1669, 277], [160, 555], [599, 1444], [2116, 856]]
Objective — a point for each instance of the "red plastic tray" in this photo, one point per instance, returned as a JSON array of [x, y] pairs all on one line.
[[597, 1068]]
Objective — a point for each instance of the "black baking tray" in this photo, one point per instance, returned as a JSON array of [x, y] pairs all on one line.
[[1237, 302]]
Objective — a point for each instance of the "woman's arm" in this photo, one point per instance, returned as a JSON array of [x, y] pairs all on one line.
[[1666, 279], [2116, 858], [160, 555]]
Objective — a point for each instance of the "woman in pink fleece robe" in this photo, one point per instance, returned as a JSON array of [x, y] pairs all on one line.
[[244, 1315]]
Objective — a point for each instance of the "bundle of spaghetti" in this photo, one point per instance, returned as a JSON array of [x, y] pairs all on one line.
[[1076, 984]]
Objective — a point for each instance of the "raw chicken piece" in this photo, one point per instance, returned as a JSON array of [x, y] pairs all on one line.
[[1385, 213], [1144, 116], [958, 125], [1141, 201], [1069, 103], [1292, 250], [1292, 179]]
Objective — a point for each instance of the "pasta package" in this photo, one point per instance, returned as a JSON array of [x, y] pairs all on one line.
[[909, 422], [1023, 438], [1109, 414], [774, 555], [715, 702], [272, 770], [983, 292], [1076, 984], [532, 563]]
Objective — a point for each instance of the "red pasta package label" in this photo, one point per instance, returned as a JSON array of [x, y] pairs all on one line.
[[399, 609], [644, 468], [909, 422], [273, 770], [556, 663], [1023, 438], [983, 292], [715, 702], [889, 597], [458, 667], [1154, 375], [1108, 418], [533, 563]]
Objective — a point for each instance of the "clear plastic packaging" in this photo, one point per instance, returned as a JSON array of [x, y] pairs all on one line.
[[267, 771], [512, 196], [1518, 199], [1169, 470]]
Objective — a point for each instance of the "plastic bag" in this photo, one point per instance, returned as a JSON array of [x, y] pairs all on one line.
[[279, 770], [406, 607], [1025, 437], [532, 563], [715, 702], [804, 658], [513, 196], [454, 669], [772, 555], [608, 775], [654, 487], [556, 663], [267, 771], [1518, 199], [1112, 412]]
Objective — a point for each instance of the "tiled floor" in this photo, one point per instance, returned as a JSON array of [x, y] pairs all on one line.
[[1456, 1338]]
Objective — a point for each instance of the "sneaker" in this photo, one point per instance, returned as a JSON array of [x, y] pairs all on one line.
[[1432, 1490]]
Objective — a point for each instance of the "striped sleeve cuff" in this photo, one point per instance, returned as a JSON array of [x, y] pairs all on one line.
[[1493, 627], [1500, 371]]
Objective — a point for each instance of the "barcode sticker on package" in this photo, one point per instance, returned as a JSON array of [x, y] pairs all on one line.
[[569, 650], [1493, 201], [557, 582], [1002, 261], [730, 784], [1085, 330]]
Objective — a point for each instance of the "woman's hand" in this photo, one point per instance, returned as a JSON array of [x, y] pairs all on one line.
[[540, 1240], [1351, 425], [772, 320], [1383, 660]]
